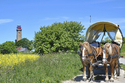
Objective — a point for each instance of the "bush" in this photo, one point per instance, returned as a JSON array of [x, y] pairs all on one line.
[[8, 47], [57, 37]]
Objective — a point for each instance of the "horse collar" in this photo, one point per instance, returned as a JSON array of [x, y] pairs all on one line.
[[93, 53]]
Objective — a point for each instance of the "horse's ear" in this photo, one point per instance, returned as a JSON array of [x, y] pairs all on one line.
[[81, 44], [87, 44], [108, 46]]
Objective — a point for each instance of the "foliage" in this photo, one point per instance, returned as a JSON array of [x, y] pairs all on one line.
[[8, 47], [25, 43], [57, 37], [123, 51], [123, 39], [107, 39], [123, 66], [49, 68]]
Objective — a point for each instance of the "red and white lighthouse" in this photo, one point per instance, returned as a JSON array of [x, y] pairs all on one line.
[[19, 33]]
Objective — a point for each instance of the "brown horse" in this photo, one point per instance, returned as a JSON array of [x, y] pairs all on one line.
[[111, 54], [88, 56]]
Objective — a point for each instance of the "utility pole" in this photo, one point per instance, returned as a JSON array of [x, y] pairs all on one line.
[[90, 19]]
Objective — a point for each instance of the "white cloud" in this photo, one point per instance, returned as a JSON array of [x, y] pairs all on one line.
[[65, 17], [5, 21], [80, 18], [50, 18]]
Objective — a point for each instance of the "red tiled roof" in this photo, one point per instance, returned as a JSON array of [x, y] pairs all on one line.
[[18, 48]]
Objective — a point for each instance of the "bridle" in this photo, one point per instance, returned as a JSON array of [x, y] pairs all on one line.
[[110, 55], [89, 54]]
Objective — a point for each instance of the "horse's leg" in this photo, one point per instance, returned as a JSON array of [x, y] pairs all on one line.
[[84, 72], [91, 70], [115, 75], [112, 71], [106, 72], [88, 71]]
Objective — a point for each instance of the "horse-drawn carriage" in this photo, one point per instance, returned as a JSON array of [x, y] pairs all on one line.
[[94, 52]]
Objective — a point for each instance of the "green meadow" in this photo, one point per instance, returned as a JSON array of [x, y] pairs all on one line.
[[48, 68]]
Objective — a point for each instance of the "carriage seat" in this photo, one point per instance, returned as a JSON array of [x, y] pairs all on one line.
[[95, 44]]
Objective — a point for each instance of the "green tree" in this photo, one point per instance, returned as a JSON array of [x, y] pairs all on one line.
[[57, 37], [25, 43], [123, 39], [0, 48], [8, 47], [106, 39]]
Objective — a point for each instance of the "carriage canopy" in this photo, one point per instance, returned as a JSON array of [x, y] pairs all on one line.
[[96, 29]]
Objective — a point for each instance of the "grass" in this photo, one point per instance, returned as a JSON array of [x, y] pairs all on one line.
[[49, 68], [123, 50], [123, 66]]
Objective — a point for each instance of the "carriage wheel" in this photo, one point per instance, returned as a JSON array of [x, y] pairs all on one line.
[[118, 69]]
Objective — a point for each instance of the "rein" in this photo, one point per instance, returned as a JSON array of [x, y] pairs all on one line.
[[89, 54], [93, 51], [98, 54]]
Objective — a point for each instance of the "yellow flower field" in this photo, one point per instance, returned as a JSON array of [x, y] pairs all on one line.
[[14, 59]]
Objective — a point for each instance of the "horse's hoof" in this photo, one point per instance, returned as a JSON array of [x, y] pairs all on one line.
[[106, 80], [84, 79], [111, 80], [115, 77]]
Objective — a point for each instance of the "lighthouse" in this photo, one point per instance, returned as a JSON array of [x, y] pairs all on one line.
[[19, 33]]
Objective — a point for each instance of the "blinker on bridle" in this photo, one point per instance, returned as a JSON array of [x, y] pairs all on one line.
[[88, 54]]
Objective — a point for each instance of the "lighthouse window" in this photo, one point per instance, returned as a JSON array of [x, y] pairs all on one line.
[[19, 32]]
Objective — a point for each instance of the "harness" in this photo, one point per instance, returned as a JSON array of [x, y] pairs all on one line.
[[113, 56], [89, 54], [93, 51]]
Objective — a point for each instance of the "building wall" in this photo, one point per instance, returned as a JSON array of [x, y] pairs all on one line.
[[19, 35]]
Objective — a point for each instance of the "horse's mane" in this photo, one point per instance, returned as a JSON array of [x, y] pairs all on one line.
[[108, 47], [87, 46]]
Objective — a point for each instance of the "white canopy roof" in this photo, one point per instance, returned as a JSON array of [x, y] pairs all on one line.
[[93, 31]]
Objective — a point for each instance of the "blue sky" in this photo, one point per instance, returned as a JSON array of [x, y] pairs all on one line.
[[32, 14]]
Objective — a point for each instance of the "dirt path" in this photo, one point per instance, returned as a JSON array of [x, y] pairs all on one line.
[[99, 77]]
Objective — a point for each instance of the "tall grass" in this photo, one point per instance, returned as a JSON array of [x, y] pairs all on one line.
[[49, 68], [123, 50]]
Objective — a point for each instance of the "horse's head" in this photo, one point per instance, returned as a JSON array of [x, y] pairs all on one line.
[[107, 51], [84, 48]]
